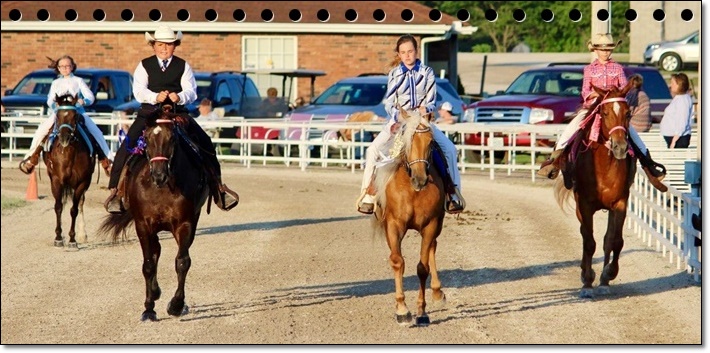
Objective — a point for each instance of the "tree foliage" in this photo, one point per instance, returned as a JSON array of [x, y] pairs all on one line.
[[559, 35]]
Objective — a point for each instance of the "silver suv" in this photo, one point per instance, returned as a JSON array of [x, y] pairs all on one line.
[[672, 55]]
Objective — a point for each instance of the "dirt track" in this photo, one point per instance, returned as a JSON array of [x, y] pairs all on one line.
[[295, 263]]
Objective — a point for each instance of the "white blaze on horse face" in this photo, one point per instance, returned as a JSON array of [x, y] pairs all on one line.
[[617, 108], [156, 130]]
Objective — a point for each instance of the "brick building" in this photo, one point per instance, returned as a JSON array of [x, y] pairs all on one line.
[[227, 35]]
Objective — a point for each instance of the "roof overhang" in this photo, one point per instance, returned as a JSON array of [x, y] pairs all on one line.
[[236, 27]]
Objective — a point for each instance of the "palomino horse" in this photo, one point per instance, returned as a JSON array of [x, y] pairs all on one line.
[[70, 166], [410, 195], [165, 192], [603, 176]]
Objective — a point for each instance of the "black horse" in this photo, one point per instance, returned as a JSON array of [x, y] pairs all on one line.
[[165, 192]]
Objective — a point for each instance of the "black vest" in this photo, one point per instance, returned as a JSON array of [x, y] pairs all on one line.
[[169, 80]]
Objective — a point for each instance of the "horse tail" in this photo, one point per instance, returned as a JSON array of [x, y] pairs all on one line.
[[562, 195], [115, 225]]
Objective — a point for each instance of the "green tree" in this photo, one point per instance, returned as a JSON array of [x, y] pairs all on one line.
[[559, 35]]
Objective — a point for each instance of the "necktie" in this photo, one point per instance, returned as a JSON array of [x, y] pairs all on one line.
[[165, 65]]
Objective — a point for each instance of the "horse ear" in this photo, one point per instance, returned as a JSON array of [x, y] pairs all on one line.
[[402, 112], [598, 90]]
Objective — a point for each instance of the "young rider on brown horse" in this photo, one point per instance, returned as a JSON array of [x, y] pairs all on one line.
[[603, 73], [160, 80]]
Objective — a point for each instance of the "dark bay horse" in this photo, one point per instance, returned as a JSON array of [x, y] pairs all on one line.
[[69, 166], [603, 175], [165, 192], [410, 195]]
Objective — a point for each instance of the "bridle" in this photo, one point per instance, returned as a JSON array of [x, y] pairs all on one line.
[[592, 115], [159, 157], [426, 160], [70, 127]]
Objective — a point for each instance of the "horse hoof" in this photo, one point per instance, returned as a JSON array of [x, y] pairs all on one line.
[[586, 293], [149, 315], [177, 310], [404, 319], [603, 290], [73, 246], [423, 321], [59, 243]]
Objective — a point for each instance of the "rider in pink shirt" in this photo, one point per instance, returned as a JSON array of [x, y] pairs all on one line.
[[603, 73]]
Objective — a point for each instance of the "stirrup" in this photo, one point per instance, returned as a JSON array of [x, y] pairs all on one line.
[[453, 207], [655, 181], [114, 203], [228, 199], [26, 166], [366, 208]]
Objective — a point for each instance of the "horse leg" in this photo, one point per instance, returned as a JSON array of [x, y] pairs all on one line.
[[586, 218], [184, 234], [82, 225], [429, 234], [613, 242], [57, 191], [151, 253], [437, 294], [395, 233], [74, 211]]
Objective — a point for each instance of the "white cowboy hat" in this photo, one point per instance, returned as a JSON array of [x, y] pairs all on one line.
[[602, 41], [446, 106], [163, 34]]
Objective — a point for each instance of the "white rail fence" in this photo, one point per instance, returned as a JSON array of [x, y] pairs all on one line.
[[659, 219]]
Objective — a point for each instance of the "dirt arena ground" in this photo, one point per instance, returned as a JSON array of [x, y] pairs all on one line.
[[294, 263]]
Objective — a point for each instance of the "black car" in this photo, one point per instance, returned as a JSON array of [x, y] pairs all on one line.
[[111, 88], [233, 91]]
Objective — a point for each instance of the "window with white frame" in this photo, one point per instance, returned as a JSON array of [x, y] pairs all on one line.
[[270, 52]]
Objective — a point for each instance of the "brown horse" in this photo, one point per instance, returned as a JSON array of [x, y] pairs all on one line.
[[602, 178], [410, 195], [69, 166], [165, 192]]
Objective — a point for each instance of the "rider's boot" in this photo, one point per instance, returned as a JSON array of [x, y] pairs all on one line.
[[654, 171], [549, 168], [114, 203], [456, 203], [27, 165], [367, 202]]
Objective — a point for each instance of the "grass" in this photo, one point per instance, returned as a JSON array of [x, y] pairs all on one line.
[[9, 203]]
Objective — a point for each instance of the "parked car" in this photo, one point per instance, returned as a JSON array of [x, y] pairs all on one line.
[[367, 93], [111, 88], [674, 55], [551, 95], [233, 91]]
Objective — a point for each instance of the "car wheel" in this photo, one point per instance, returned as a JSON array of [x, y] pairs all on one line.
[[671, 62]]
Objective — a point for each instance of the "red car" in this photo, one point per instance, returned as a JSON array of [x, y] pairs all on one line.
[[551, 95]]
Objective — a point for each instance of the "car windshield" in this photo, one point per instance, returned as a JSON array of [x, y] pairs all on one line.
[[556, 83], [353, 94], [38, 85], [203, 89]]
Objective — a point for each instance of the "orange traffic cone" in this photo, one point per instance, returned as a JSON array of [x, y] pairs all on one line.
[[32, 187]]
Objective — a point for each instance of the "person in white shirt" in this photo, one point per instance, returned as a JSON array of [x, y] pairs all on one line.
[[677, 118], [66, 83], [166, 80]]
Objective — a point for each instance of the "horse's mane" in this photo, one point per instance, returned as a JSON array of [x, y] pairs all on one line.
[[400, 146]]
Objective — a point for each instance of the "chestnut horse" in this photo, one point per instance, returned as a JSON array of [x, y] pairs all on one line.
[[165, 192], [410, 195], [602, 175], [69, 166]]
